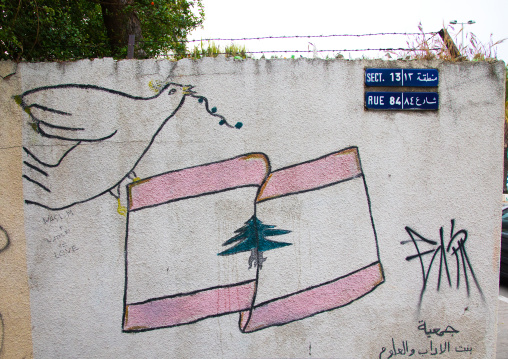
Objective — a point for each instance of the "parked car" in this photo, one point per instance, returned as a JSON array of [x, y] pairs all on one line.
[[503, 273]]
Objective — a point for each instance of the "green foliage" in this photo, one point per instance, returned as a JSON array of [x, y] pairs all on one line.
[[236, 51], [51, 30], [213, 50], [166, 24]]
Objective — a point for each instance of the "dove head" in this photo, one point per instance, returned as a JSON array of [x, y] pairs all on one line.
[[172, 95], [167, 102], [176, 90]]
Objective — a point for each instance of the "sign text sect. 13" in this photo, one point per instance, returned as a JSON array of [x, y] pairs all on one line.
[[402, 100], [402, 77]]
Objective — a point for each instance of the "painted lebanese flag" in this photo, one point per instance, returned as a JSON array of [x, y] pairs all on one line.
[[178, 222]]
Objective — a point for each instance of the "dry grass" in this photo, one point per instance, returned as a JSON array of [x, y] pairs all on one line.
[[425, 47]]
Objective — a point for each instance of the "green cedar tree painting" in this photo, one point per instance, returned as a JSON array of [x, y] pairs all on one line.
[[253, 237]]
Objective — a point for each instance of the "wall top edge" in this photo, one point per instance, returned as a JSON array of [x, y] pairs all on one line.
[[9, 63]]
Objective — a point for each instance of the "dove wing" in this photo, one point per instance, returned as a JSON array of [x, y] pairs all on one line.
[[71, 113]]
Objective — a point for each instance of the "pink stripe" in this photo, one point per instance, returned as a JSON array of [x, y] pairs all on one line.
[[188, 308], [316, 300], [310, 175], [240, 171]]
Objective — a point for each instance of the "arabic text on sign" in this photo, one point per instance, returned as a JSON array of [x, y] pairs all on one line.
[[402, 77], [402, 100]]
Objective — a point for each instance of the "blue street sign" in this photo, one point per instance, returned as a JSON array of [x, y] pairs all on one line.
[[402, 77], [402, 100]]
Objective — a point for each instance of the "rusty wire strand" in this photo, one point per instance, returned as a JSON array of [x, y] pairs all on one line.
[[340, 50], [308, 36]]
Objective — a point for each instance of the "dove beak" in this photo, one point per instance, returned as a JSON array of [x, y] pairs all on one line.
[[187, 90]]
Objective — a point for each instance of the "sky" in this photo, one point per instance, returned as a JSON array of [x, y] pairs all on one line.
[[241, 19]]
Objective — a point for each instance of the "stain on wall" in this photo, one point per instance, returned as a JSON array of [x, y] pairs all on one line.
[[15, 321]]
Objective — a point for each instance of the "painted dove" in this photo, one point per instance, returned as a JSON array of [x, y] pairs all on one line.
[[90, 126]]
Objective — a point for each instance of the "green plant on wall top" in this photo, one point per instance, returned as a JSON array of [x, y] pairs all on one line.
[[213, 50], [50, 30]]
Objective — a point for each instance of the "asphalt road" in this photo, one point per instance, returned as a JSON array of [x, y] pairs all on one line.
[[502, 323]]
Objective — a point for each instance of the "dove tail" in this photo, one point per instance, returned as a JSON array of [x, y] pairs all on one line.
[[35, 168], [37, 183], [47, 164]]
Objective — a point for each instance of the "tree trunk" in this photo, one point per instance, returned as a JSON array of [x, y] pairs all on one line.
[[120, 24]]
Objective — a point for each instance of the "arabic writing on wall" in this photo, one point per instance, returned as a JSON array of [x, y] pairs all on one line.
[[441, 347]]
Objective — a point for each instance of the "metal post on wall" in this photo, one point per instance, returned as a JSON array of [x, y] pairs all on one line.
[[130, 47], [450, 45]]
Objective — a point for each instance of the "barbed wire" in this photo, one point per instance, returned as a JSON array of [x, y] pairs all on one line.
[[307, 36], [282, 37], [231, 53], [260, 38], [341, 50]]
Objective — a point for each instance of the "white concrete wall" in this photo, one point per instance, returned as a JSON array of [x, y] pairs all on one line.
[[143, 279]]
